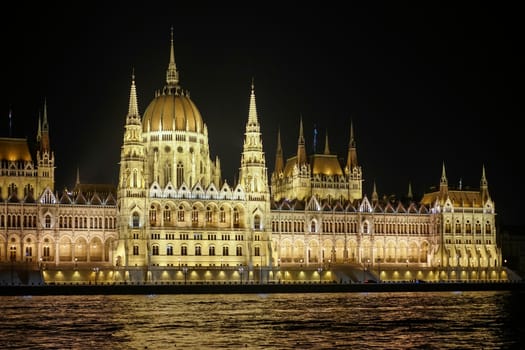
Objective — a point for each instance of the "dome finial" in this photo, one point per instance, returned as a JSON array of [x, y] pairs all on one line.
[[172, 76]]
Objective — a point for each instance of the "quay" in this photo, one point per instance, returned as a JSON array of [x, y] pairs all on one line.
[[238, 288]]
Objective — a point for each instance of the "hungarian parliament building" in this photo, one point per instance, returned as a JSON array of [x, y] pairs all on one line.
[[171, 210]]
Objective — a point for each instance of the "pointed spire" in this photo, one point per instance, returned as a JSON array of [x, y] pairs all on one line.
[[43, 133], [443, 184], [45, 126], [409, 195], [326, 147], [444, 180], [483, 181], [172, 76], [252, 112], [279, 161], [301, 149], [484, 186], [78, 176], [352, 141], [375, 197], [133, 109], [351, 161], [39, 132]]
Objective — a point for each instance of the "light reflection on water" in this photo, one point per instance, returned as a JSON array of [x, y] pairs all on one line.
[[441, 320]]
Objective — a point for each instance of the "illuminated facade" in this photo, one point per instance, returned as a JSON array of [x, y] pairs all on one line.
[[172, 211], [41, 227]]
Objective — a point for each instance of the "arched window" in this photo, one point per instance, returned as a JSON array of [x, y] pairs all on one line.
[[46, 252], [257, 222], [225, 251], [135, 220], [180, 213], [135, 179], [238, 251], [198, 250], [48, 221], [12, 253], [167, 213], [12, 190], [468, 227], [153, 216], [194, 215], [167, 173], [235, 217], [180, 174], [169, 250], [208, 214], [211, 251], [313, 226], [448, 227], [155, 250]]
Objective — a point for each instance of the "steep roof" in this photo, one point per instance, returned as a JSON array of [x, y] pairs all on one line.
[[14, 149]]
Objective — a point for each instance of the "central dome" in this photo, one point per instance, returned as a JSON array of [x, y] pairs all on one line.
[[172, 109], [172, 112]]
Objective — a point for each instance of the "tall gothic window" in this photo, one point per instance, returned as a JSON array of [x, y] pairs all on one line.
[[222, 215], [180, 174], [135, 220], [167, 213], [135, 180], [257, 222], [167, 173], [236, 217], [12, 190], [208, 214], [48, 221], [194, 215], [153, 216], [180, 213]]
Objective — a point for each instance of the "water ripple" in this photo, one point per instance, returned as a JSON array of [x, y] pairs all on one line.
[[441, 320]]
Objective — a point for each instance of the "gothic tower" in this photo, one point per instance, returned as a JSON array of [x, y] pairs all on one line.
[[253, 177], [132, 184], [253, 173], [353, 169], [44, 157]]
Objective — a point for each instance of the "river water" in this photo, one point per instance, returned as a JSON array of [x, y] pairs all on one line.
[[412, 320]]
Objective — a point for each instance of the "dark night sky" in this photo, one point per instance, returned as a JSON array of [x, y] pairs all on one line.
[[424, 83]]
